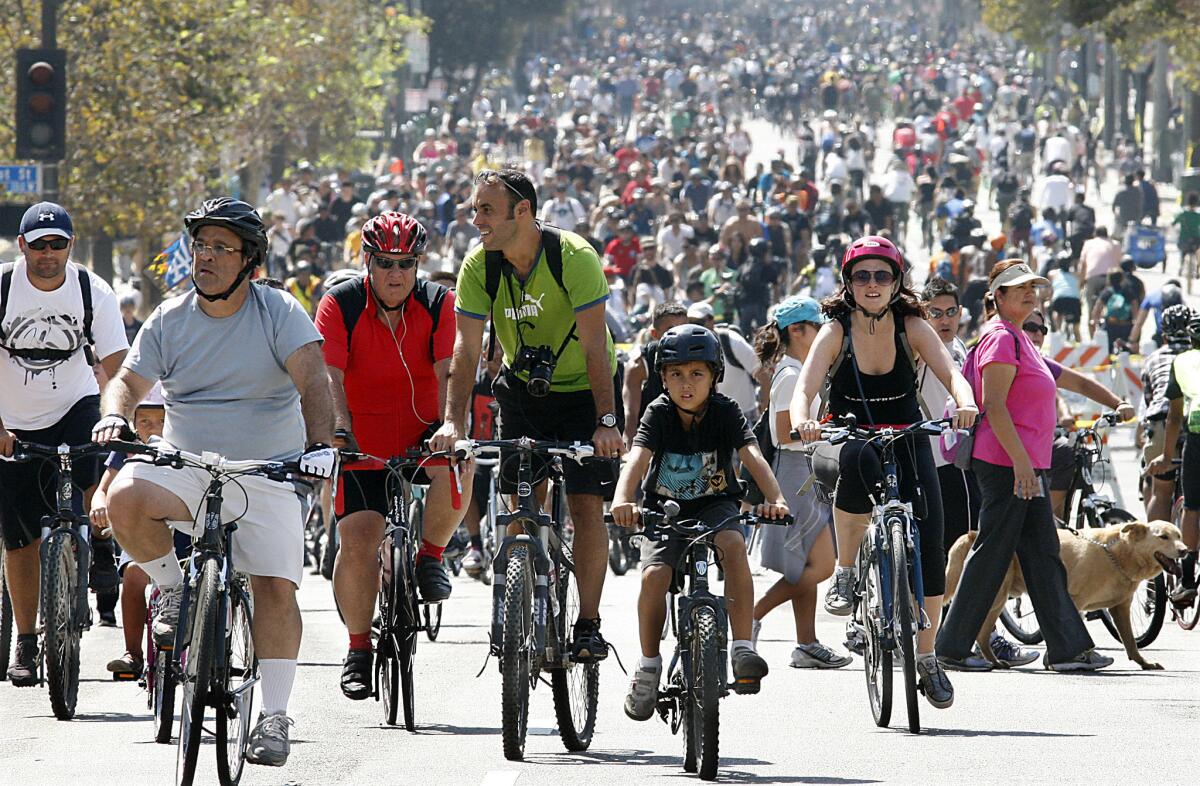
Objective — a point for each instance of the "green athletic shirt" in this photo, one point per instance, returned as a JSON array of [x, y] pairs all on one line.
[[546, 313], [1188, 222]]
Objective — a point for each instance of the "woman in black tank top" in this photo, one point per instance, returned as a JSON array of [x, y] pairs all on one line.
[[876, 381]]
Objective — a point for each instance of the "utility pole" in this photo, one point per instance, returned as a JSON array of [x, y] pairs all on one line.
[[50, 41], [1161, 170]]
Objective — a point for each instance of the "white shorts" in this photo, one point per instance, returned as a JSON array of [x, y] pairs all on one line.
[[269, 539]]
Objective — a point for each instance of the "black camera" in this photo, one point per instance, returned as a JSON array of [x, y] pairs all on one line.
[[538, 363]]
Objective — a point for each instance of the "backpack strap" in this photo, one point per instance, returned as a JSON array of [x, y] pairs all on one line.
[[5, 285], [494, 262], [351, 297], [431, 296], [727, 348], [827, 385], [85, 291], [902, 335]]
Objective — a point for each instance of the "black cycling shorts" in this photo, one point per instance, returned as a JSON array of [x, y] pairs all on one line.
[[28, 489], [565, 417], [1190, 475]]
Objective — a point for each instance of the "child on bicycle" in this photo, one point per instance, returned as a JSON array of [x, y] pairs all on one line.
[[684, 451], [148, 421]]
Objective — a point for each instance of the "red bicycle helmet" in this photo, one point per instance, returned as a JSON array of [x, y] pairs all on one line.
[[394, 233], [874, 247]]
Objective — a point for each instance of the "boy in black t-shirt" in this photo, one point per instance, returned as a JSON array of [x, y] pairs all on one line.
[[684, 452]]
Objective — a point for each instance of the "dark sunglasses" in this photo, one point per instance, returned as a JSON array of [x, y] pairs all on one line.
[[56, 243], [383, 263], [491, 176], [882, 277], [937, 313], [1034, 327]]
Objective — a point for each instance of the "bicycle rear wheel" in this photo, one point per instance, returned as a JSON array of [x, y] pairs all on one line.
[[234, 720], [6, 621], [515, 652], [162, 695], [1018, 619], [195, 668], [905, 622], [877, 658], [706, 691], [62, 630], [575, 686], [618, 558], [432, 613]]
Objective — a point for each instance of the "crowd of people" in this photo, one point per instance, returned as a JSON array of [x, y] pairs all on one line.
[[654, 285]]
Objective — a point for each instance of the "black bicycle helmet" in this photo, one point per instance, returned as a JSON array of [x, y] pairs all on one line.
[[685, 343], [759, 247], [1174, 325], [239, 218]]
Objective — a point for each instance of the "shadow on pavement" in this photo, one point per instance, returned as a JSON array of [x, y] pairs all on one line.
[[996, 733], [740, 776], [441, 729], [624, 756]]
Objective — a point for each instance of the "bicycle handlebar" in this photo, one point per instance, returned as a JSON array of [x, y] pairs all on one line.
[[658, 525], [849, 429], [211, 462], [27, 451], [577, 451], [413, 457]]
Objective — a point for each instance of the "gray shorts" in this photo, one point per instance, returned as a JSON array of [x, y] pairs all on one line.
[[669, 552]]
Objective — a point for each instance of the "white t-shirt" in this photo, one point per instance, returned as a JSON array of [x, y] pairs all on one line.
[[35, 394], [670, 242], [935, 394], [738, 384], [783, 388]]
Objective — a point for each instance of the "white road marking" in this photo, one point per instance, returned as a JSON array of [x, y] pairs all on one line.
[[500, 778]]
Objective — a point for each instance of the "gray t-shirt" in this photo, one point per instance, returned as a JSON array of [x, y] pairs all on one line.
[[224, 380]]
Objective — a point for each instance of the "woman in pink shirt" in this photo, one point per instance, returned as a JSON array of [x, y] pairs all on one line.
[[1012, 452]]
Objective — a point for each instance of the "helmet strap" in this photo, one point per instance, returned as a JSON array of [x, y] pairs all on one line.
[[237, 282], [379, 301]]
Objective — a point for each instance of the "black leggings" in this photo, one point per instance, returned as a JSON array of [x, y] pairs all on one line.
[[960, 503], [855, 470]]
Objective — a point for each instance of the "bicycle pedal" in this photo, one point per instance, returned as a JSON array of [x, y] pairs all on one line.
[[125, 676], [746, 686]]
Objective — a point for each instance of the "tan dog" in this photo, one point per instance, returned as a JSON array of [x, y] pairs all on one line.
[[1140, 551]]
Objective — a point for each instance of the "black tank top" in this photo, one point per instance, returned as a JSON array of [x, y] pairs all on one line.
[[888, 398]]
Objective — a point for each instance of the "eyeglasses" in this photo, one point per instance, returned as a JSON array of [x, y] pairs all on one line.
[[56, 243], [491, 176], [937, 313], [863, 277], [1034, 327], [217, 252], [384, 263]]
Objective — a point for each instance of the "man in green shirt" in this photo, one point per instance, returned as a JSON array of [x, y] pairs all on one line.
[[532, 311], [720, 283], [1188, 221]]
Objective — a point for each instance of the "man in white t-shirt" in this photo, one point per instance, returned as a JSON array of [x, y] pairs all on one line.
[[56, 318], [672, 236], [741, 362], [563, 210]]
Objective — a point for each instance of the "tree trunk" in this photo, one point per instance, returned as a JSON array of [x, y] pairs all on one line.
[[1110, 93], [1161, 170], [1121, 101], [102, 256], [1191, 129]]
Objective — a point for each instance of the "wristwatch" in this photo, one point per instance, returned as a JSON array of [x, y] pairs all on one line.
[[608, 421]]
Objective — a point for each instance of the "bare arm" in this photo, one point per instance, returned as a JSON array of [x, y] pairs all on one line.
[[635, 376], [1072, 380], [633, 470], [112, 363], [124, 392], [824, 351], [593, 337], [306, 367], [464, 362], [929, 347], [341, 407]]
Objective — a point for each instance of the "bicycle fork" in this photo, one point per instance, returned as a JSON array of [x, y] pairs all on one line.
[[541, 588]]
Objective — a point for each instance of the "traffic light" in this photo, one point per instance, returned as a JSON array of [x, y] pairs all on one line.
[[41, 104]]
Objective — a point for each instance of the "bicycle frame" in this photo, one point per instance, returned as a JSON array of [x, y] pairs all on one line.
[[66, 523], [697, 560]]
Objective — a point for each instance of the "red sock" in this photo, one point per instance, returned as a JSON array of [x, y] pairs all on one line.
[[360, 641], [428, 549]]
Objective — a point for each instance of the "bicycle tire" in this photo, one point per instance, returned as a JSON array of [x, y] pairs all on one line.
[[515, 655], [387, 660], [197, 665], [617, 557], [706, 691], [1149, 607], [432, 612], [406, 662], [905, 623], [1021, 624], [6, 622], [877, 659], [235, 720], [61, 630], [575, 686], [162, 696], [686, 723]]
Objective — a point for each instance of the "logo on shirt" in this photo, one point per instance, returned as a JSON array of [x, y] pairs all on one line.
[[690, 475], [42, 328], [530, 307]]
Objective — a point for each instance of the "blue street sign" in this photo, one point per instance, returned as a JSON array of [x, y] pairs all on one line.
[[20, 179]]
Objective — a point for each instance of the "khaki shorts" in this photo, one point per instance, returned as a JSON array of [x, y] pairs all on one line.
[[1155, 434], [269, 540]]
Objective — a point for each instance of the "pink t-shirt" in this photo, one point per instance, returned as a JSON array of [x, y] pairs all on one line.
[[1031, 399]]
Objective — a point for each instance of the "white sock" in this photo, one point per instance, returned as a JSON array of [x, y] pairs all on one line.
[[652, 664], [164, 571], [845, 568], [926, 656], [742, 644], [278, 674]]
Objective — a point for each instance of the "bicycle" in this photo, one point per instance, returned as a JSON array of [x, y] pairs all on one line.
[[1093, 509], [696, 679], [65, 556], [889, 593], [213, 662], [535, 601], [1187, 616], [157, 677], [622, 555]]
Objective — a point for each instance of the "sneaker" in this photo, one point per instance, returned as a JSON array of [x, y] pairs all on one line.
[[748, 670], [432, 579], [268, 744], [126, 667], [973, 662], [588, 645], [473, 561], [167, 617], [818, 656], [356, 674], [1183, 596], [1089, 660], [643, 693], [839, 598], [933, 682], [108, 618], [23, 672], [755, 629], [1009, 653]]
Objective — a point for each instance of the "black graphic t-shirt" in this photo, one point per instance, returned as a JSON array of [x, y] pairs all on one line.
[[693, 467]]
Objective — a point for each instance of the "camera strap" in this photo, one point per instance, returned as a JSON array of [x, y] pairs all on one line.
[[496, 266], [520, 335]]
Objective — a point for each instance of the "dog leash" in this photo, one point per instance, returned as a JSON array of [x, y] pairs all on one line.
[[1108, 553]]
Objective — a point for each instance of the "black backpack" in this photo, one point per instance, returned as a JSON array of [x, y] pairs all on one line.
[[351, 297], [494, 263], [85, 291], [652, 388]]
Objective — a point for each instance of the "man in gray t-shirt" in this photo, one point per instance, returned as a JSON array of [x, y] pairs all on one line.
[[243, 376]]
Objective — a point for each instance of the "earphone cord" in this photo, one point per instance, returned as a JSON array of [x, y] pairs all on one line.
[[412, 388]]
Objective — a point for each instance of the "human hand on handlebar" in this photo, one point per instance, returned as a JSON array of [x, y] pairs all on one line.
[[608, 442], [809, 430], [1125, 411], [772, 510], [964, 417], [444, 439], [109, 428], [625, 514], [8, 442]]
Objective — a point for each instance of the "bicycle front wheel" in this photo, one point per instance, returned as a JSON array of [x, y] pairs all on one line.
[[877, 656], [62, 631], [515, 652], [575, 686], [241, 673], [706, 691], [195, 668], [905, 622]]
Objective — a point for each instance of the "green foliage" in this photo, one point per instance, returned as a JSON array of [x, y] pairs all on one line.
[[167, 97]]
